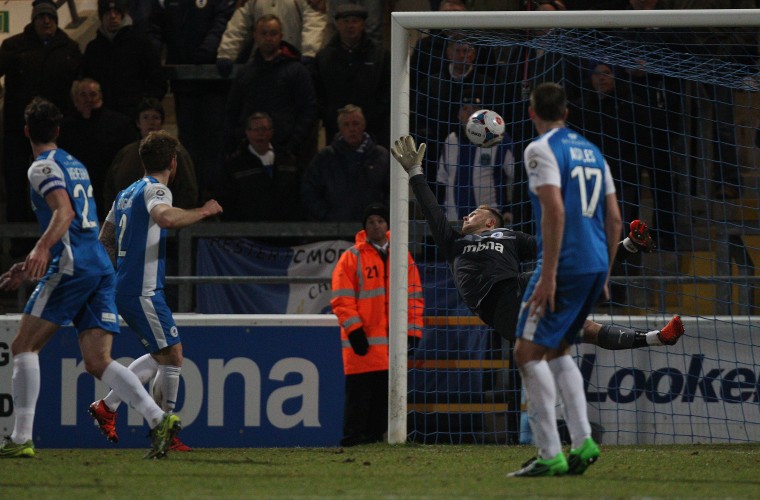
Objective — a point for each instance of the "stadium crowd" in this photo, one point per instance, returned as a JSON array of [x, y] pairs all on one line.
[[299, 65]]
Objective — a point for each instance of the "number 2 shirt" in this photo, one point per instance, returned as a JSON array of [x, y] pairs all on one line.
[[140, 241]]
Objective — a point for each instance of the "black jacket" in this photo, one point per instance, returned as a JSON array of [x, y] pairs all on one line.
[[282, 88], [361, 76], [35, 68], [250, 194], [340, 182], [127, 67]]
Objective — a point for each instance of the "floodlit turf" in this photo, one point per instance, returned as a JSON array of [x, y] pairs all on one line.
[[380, 471]]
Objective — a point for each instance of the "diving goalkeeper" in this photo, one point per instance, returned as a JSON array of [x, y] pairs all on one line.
[[485, 260]]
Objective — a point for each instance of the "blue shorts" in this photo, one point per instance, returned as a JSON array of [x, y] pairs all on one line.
[[86, 301], [576, 295], [150, 318]]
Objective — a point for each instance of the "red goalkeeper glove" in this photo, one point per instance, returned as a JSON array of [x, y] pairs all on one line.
[[639, 236]]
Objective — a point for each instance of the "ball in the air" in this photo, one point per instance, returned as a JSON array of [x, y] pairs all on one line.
[[485, 128]]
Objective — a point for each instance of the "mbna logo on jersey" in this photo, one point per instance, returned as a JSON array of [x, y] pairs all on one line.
[[173, 331]]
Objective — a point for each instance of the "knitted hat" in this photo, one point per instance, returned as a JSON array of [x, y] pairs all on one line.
[[351, 9], [120, 6], [40, 7], [376, 209]]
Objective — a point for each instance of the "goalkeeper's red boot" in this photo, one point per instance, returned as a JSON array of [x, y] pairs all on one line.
[[670, 334], [178, 445], [105, 419]]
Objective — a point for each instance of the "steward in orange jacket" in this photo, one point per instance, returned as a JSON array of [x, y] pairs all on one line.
[[360, 287]]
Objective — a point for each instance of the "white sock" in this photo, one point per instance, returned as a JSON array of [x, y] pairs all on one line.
[[26, 389], [166, 387], [569, 383], [653, 338], [541, 395], [144, 367], [127, 386]]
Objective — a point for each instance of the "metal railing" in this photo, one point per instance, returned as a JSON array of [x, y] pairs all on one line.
[[728, 252]]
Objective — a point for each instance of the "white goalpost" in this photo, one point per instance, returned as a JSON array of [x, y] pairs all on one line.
[[711, 283]]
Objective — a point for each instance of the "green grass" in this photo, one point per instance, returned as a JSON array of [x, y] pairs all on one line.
[[380, 471]]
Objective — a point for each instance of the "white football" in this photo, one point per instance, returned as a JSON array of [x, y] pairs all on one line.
[[485, 128]]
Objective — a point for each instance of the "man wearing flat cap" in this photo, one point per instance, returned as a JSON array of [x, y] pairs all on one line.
[[352, 69], [374, 12], [40, 61]]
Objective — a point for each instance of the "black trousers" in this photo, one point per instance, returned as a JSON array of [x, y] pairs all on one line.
[[365, 414]]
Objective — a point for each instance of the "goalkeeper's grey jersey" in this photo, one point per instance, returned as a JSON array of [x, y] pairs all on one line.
[[478, 261]]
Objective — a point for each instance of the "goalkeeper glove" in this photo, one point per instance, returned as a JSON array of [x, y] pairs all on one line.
[[358, 341], [406, 153], [639, 237]]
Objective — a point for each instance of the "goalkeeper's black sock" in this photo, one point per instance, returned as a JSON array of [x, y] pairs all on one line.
[[616, 338]]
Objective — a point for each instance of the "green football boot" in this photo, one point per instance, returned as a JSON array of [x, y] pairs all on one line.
[[580, 458], [535, 467], [9, 449]]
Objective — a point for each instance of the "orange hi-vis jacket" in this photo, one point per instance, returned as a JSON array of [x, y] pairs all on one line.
[[360, 287]]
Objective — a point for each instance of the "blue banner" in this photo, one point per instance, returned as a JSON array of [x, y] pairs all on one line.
[[243, 257], [242, 386]]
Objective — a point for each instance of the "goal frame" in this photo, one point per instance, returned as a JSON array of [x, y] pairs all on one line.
[[401, 24]]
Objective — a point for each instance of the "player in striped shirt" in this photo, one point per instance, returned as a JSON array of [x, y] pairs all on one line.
[[134, 235]]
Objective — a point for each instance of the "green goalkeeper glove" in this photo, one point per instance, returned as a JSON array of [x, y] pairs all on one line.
[[406, 153]]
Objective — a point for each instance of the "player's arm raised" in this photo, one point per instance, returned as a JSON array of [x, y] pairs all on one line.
[[169, 217]]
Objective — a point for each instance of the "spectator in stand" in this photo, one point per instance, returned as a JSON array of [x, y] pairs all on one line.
[[123, 60], [438, 101], [360, 301], [347, 173], [94, 134], [260, 183], [276, 82], [470, 176], [191, 31], [353, 69], [303, 26], [375, 16], [40, 61], [429, 53], [126, 167]]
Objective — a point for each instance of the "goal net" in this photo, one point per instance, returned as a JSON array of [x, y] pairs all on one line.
[[671, 98]]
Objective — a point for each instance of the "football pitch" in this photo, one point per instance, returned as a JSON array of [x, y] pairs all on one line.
[[381, 471]]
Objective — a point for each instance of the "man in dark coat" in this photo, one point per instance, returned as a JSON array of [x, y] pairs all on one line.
[[275, 81], [94, 134], [260, 182], [40, 61], [347, 173], [352, 69], [123, 60]]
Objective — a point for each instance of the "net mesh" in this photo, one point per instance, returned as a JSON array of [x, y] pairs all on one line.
[[680, 130]]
